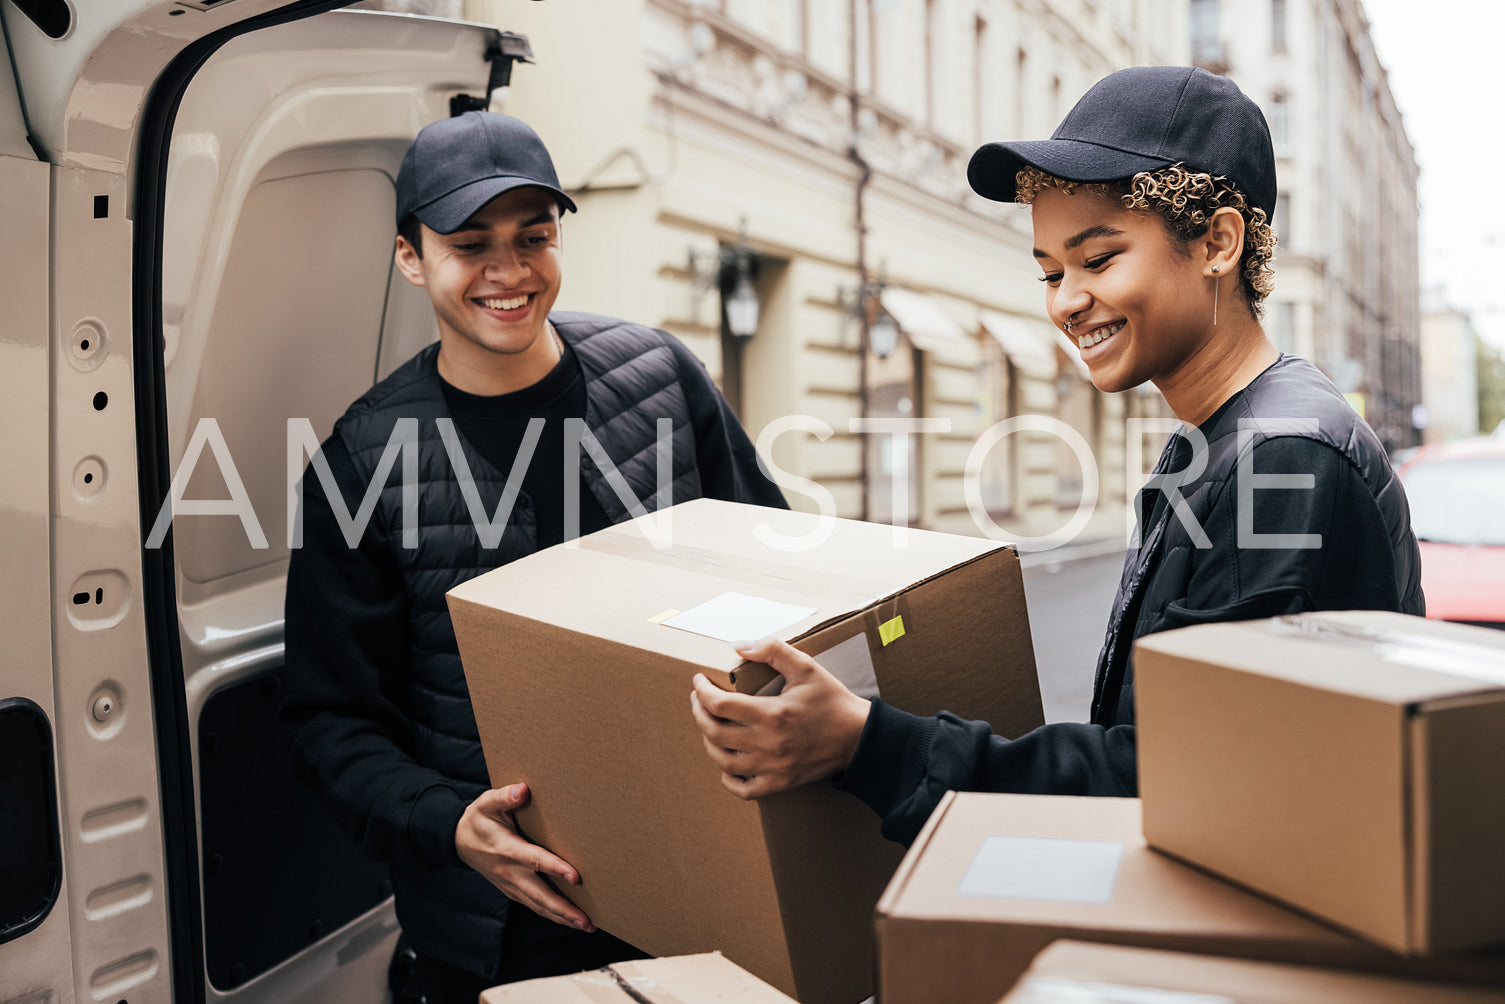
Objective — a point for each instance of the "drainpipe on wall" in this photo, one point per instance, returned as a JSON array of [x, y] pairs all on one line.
[[864, 174]]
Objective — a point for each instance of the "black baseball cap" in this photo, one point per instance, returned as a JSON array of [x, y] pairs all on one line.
[[1142, 119], [457, 165]]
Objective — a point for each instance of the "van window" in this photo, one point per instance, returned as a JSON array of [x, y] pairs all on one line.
[[31, 863]]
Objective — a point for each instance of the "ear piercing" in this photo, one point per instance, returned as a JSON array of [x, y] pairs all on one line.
[[1214, 298]]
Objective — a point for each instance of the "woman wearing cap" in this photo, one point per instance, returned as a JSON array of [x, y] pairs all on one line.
[[1152, 207]]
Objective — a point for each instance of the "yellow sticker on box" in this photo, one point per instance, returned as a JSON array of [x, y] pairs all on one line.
[[660, 618], [891, 631]]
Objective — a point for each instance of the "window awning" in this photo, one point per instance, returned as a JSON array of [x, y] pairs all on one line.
[[1023, 341], [922, 320]]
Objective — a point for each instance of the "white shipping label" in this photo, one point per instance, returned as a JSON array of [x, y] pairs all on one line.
[[850, 661], [739, 617], [1043, 869]]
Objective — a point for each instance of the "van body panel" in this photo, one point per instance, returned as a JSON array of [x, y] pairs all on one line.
[[41, 959], [278, 301], [85, 91], [281, 177], [12, 124], [111, 797]]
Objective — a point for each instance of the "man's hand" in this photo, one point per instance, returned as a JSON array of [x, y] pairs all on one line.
[[765, 745], [487, 840]]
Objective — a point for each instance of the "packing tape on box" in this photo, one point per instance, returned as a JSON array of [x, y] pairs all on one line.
[[607, 986], [643, 988], [599, 986], [1470, 660], [857, 592], [1061, 990]]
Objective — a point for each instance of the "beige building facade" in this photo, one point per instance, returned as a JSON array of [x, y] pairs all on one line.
[[1450, 373], [1347, 287], [816, 151]]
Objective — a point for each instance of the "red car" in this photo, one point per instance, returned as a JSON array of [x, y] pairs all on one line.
[[1457, 495]]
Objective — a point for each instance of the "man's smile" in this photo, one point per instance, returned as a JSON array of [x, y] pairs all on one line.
[[505, 304]]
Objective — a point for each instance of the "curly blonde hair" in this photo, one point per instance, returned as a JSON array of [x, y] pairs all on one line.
[[1185, 201]]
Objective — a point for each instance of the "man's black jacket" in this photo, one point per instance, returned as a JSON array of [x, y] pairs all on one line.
[[1205, 554], [376, 700]]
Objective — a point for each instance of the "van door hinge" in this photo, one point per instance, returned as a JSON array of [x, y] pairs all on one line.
[[505, 49]]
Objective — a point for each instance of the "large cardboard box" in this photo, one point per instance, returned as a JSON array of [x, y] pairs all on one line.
[[685, 979], [579, 661], [1350, 764], [1074, 972], [993, 879]]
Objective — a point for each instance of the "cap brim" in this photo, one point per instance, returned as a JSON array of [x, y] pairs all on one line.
[[445, 214], [994, 166]]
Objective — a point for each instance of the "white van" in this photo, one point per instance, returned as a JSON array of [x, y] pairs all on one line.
[[197, 201]]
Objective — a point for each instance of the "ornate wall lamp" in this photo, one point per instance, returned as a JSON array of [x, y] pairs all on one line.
[[732, 270], [865, 305]]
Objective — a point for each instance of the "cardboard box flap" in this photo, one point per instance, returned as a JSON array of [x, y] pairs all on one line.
[[1381, 656], [683, 979], [686, 979], [720, 575], [876, 555], [1457, 823], [1075, 972], [1077, 863]]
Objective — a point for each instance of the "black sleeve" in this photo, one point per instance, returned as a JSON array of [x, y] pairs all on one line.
[[904, 764], [346, 662], [729, 465]]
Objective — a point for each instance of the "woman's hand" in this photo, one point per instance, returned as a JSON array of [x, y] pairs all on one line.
[[765, 745]]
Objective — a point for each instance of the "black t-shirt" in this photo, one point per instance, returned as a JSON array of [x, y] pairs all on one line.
[[498, 426]]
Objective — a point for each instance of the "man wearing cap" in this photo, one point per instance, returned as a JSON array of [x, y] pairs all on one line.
[[1151, 209], [489, 425]]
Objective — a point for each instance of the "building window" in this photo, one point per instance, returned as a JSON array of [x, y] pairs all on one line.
[[894, 461], [1206, 39], [796, 27], [1280, 123], [1278, 25], [1283, 228], [1078, 407], [933, 35], [981, 96], [998, 401], [1021, 108], [1284, 323]]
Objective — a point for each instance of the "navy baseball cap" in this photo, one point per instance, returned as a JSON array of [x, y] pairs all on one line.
[[1142, 119], [457, 165]]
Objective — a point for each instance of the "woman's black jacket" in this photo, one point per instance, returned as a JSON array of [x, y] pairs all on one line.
[[1284, 456]]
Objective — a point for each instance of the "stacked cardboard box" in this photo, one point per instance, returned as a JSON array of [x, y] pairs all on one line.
[[579, 661], [686, 979], [1348, 764], [993, 879], [1345, 764], [1074, 972]]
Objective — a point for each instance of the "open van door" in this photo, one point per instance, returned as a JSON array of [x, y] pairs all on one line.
[[197, 197]]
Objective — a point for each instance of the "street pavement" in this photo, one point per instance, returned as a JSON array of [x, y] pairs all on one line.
[[1069, 601]]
